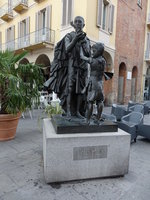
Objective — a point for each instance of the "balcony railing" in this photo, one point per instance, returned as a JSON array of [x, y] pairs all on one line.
[[8, 46], [147, 55], [6, 13], [38, 39], [20, 5]]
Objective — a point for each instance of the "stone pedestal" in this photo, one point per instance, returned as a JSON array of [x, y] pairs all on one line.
[[62, 125], [82, 156]]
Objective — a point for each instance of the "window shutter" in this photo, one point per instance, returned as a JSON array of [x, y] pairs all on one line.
[[48, 22], [36, 26], [0, 37], [13, 32], [48, 16], [147, 53], [6, 35], [18, 29], [40, 20], [19, 34], [99, 13], [69, 11], [13, 37], [7, 39], [28, 26], [36, 21], [28, 30], [148, 42], [64, 12], [111, 18], [0, 40]]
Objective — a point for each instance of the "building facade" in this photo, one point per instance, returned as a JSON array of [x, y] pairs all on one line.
[[130, 39], [101, 27], [146, 68], [29, 25], [37, 25]]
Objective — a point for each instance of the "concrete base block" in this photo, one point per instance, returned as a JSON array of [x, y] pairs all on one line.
[[83, 156]]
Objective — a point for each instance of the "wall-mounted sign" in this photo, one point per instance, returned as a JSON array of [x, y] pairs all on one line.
[[129, 75]]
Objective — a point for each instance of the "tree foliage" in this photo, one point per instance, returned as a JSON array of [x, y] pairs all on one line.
[[19, 83]]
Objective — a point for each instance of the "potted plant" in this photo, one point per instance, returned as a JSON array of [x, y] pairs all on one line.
[[19, 86], [53, 110]]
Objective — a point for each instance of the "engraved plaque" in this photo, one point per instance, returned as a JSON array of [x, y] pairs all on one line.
[[89, 152]]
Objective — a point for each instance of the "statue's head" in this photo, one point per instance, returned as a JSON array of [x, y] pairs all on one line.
[[78, 23], [98, 49]]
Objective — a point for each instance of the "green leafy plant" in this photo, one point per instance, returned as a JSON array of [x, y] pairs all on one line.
[[19, 83], [48, 112], [53, 110]]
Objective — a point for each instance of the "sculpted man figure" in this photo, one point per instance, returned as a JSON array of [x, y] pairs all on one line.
[[69, 71]]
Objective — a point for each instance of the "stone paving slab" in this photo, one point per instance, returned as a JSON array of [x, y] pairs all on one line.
[[21, 171], [7, 184]]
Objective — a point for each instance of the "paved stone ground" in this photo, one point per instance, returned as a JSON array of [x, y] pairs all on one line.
[[21, 171]]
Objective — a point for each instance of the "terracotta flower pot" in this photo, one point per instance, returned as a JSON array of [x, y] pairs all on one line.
[[8, 126]]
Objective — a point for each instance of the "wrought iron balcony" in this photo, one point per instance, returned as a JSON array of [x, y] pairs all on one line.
[[6, 13], [147, 56], [8, 45], [39, 39], [20, 5]]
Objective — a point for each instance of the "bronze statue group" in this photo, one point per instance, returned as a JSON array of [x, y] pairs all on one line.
[[69, 74]]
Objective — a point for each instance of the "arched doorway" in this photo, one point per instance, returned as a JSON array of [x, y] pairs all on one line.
[[134, 83], [45, 62], [109, 62], [24, 61], [121, 83], [147, 85], [108, 84]]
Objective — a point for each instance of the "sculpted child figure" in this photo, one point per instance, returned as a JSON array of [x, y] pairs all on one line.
[[94, 87]]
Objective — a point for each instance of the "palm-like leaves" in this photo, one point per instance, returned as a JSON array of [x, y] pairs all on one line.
[[19, 83]]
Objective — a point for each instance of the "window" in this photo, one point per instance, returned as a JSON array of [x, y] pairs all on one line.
[[10, 38], [23, 33], [139, 2], [67, 8], [10, 6], [43, 18], [147, 53], [10, 34], [43, 15], [23, 27], [105, 15], [42, 24], [24, 1]]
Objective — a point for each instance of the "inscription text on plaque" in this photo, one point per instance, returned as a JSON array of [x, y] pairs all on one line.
[[89, 152]]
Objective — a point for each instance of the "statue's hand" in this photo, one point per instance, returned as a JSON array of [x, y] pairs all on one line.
[[90, 60], [80, 36]]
